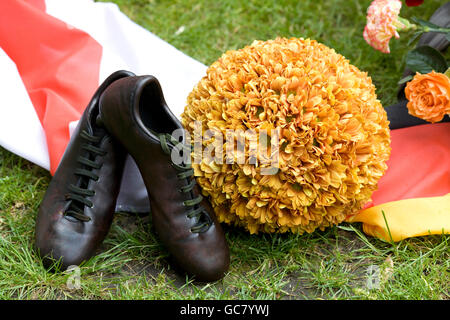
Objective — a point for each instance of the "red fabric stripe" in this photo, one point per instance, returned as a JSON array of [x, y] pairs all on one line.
[[419, 165], [59, 66], [38, 4]]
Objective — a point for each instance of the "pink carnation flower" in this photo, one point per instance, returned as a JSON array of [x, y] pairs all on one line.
[[382, 23]]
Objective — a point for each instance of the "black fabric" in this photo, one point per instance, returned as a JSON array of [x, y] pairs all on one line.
[[400, 118]]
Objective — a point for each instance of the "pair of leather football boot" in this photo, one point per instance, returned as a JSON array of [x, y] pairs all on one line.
[[128, 115]]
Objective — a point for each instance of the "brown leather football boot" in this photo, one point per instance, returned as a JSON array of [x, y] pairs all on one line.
[[77, 210], [134, 111]]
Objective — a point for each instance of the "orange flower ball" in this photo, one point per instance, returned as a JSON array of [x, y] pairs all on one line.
[[429, 96], [333, 140]]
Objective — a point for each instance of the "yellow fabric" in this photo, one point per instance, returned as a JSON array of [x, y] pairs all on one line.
[[406, 218]]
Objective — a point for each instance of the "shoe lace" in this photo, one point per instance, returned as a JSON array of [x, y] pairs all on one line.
[[80, 192], [185, 172]]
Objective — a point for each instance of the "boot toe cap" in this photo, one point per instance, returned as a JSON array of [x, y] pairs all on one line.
[[207, 261]]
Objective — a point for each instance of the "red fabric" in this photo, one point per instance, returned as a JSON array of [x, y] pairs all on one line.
[[419, 165], [59, 66]]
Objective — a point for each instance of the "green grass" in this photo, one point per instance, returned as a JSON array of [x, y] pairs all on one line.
[[132, 264]]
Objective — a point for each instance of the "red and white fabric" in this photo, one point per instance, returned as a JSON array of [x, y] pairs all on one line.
[[53, 56]]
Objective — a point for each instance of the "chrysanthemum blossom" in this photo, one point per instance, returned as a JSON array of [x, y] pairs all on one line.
[[382, 23], [333, 143]]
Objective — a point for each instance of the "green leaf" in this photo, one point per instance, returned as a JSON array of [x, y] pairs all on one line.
[[414, 37], [425, 23], [405, 79], [447, 73], [425, 59], [447, 36]]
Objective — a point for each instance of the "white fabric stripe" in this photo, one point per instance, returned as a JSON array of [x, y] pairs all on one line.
[[21, 131]]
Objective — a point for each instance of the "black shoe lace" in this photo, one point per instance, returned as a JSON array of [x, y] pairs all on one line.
[[79, 193], [186, 173]]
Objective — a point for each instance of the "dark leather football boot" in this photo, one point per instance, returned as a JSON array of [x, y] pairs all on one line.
[[78, 207], [134, 111]]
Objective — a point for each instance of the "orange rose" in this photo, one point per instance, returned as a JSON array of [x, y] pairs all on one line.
[[429, 96]]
